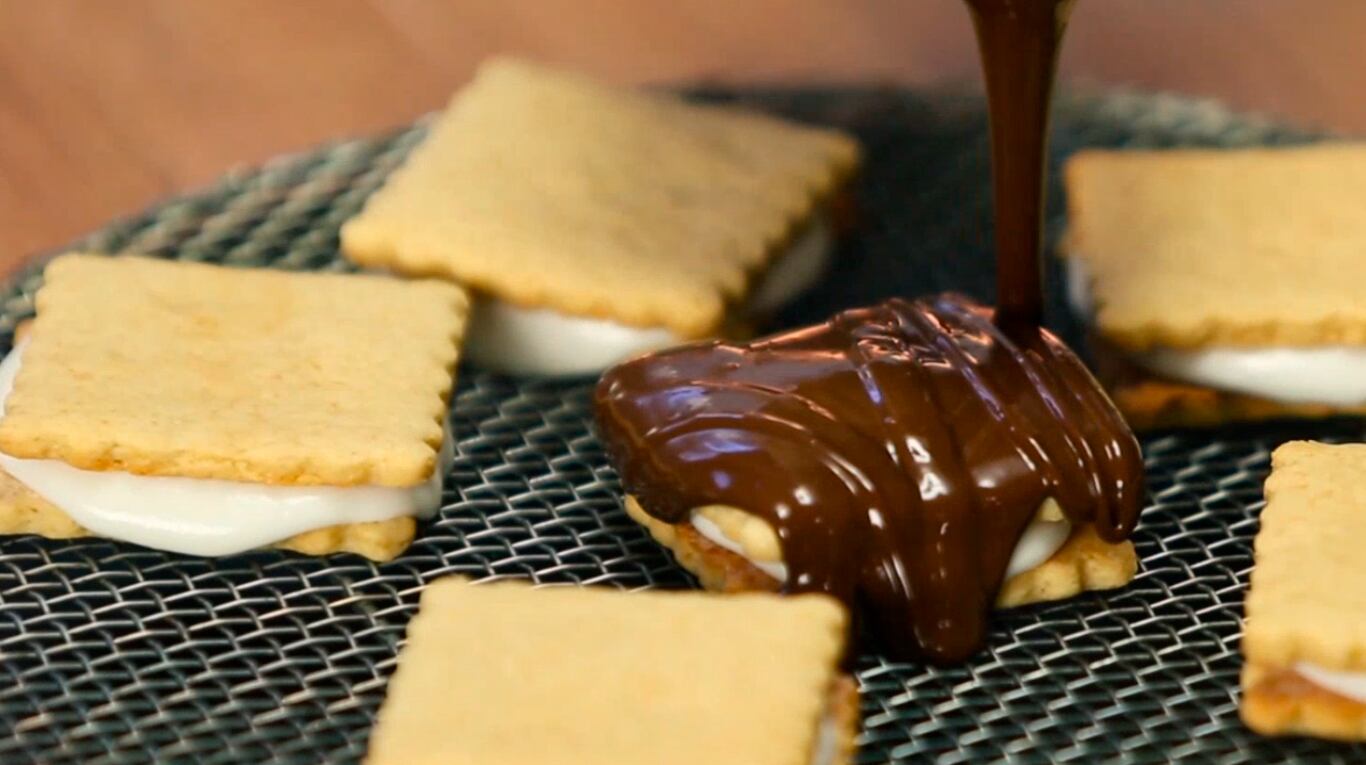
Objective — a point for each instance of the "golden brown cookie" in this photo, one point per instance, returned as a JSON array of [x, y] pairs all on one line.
[[1306, 606], [504, 674], [1175, 252], [193, 371], [547, 189], [1195, 248], [334, 379]]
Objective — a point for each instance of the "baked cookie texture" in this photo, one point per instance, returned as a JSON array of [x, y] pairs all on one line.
[[1307, 600], [1085, 562], [336, 379], [611, 677], [1252, 247], [546, 189]]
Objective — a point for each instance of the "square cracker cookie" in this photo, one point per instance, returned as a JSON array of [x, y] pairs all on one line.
[[1251, 247], [184, 369], [501, 674], [547, 189], [1307, 601]]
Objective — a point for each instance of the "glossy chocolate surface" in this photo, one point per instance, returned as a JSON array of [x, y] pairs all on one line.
[[899, 451]]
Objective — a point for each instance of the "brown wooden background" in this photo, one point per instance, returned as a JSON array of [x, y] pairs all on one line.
[[107, 105]]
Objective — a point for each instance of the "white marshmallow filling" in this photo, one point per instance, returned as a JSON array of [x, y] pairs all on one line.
[[827, 746], [1039, 542], [1330, 375], [201, 516], [509, 338], [1351, 685]]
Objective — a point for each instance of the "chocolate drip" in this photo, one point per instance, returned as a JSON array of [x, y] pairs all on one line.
[[1019, 41], [899, 451]]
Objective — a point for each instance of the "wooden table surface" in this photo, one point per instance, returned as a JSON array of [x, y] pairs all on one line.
[[108, 105]]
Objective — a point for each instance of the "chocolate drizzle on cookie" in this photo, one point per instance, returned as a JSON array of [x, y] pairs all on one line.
[[899, 451]]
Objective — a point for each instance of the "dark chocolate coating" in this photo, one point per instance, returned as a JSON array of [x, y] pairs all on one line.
[[899, 451]]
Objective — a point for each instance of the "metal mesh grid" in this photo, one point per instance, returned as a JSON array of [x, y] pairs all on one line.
[[115, 654]]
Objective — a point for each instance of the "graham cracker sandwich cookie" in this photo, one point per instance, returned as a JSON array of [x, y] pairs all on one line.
[[1223, 285], [594, 222], [209, 410], [504, 674], [912, 459], [1304, 637]]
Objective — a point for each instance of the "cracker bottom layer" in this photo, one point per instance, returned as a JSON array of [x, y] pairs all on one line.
[[1150, 402], [24, 512], [1280, 702], [1084, 563]]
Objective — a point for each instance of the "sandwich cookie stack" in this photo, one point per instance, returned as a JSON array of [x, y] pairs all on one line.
[[593, 223], [209, 410], [1223, 285], [1305, 636]]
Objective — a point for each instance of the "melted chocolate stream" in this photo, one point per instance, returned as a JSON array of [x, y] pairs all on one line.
[[1019, 41], [899, 451]]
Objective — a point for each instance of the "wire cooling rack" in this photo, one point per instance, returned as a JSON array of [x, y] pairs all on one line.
[[111, 653]]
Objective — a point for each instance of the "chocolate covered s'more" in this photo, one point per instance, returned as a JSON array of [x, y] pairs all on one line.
[[1223, 285], [595, 222], [209, 410], [1304, 640], [502, 674], [912, 459]]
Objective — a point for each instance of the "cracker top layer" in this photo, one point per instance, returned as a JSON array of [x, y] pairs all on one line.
[[1307, 600], [604, 676], [184, 369], [547, 189], [1256, 247]]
